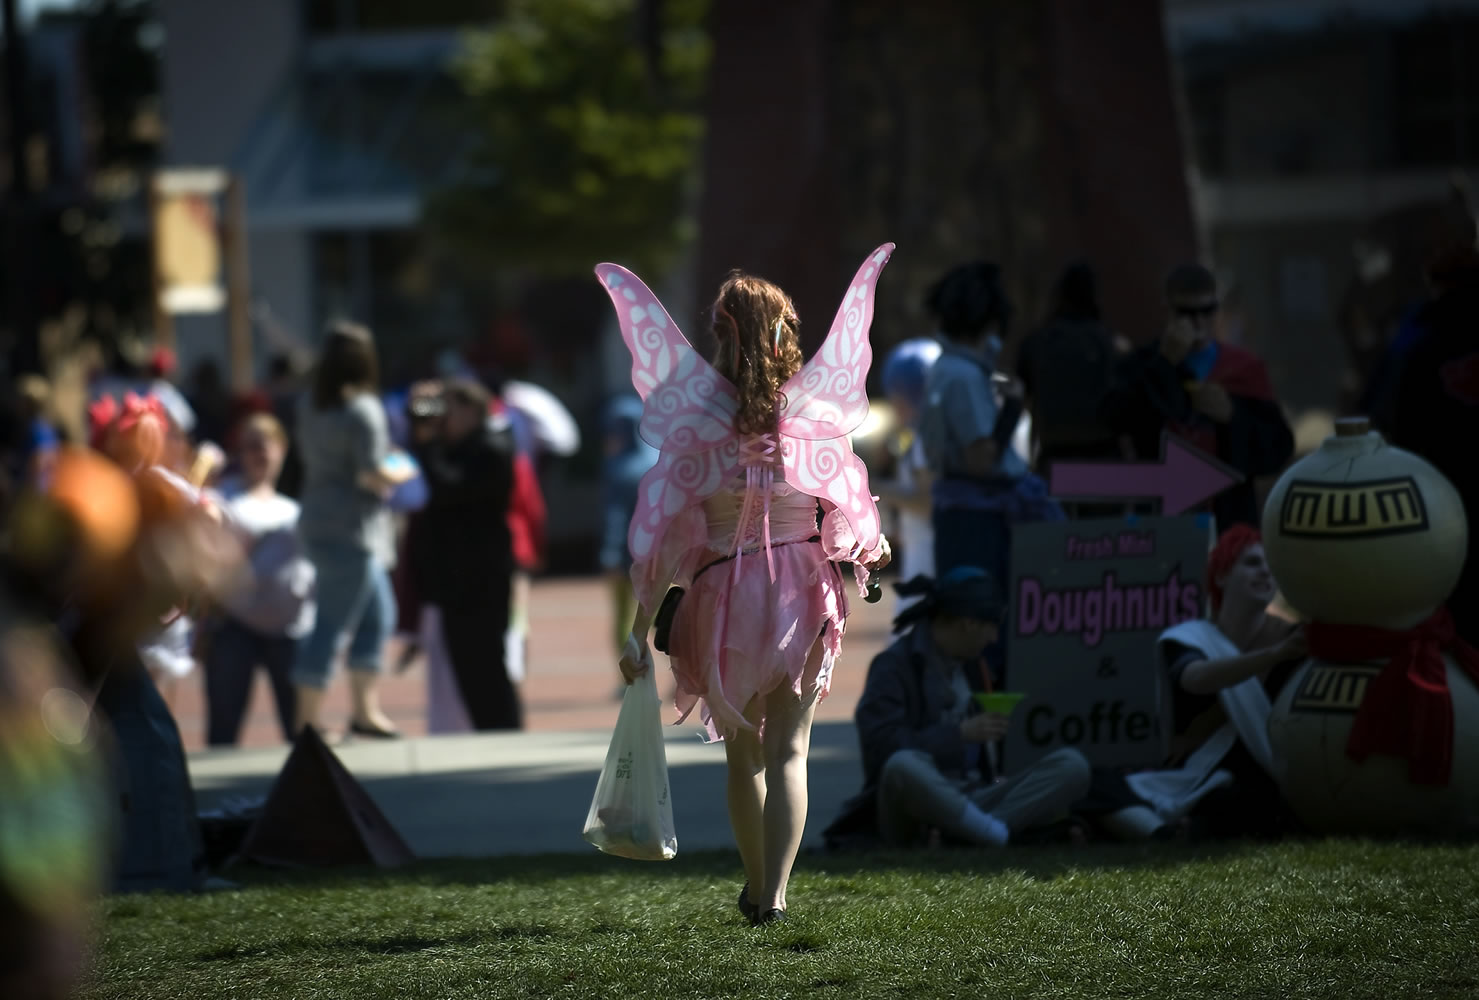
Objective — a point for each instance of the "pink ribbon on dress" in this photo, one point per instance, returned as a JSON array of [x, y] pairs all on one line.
[[757, 455]]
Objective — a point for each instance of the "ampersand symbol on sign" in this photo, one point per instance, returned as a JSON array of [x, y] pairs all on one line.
[[1108, 668]]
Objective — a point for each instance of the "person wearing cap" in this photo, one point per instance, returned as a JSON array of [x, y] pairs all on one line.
[[927, 752]]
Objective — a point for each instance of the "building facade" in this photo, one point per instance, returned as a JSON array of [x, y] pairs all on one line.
[[1323, 137], [338, 116]]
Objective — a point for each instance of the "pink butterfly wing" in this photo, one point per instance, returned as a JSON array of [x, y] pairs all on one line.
[[687, 412], [676, 482], [828, 397], [829, 470], [687, 406]]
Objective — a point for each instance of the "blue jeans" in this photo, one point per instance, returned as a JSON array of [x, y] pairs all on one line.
[[355, 600], [161, 846], [965, 537], [232, 656]]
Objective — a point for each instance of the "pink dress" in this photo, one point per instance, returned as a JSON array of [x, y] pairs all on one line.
[[747, 624]]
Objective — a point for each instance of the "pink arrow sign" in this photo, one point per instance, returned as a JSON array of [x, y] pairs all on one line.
[[1182, 478]]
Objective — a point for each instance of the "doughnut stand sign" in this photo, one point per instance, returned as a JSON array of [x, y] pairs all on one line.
[[1088, 600]]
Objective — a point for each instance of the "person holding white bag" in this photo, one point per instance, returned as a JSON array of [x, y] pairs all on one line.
[[755, 501]]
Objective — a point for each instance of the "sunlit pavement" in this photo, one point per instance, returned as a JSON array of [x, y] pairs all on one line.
[[528, 792], [572, 678]]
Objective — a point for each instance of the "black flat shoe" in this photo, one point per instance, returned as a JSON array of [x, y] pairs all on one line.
[[770, 917], [374, 732], [747, 909]]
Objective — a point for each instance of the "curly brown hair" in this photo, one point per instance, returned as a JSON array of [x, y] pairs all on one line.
[[757, 329]]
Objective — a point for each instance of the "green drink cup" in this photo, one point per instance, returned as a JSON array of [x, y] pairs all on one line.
[[998, 702]]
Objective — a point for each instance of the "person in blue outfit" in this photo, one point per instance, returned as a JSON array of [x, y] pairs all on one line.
[[627, 460], [967, 435], [409, 494], [906, 374], [980, 483]]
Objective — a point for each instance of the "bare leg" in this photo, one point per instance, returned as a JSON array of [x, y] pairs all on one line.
[[307, 703], [367, 651], [787, 741], [745, 790], [364, 691]]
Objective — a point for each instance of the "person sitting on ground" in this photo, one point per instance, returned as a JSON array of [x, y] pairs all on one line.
[[928, 759], [1224, 673]]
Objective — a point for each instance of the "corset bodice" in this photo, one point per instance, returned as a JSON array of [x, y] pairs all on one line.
[[759, 508], [793, 516]]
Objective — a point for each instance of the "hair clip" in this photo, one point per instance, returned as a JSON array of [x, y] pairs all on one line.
[[780, 323]]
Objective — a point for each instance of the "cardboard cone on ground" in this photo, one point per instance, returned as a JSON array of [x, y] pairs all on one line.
[[318, 815]]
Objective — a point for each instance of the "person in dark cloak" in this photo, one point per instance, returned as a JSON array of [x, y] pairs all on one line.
[[1437, 405], [1216, 396]]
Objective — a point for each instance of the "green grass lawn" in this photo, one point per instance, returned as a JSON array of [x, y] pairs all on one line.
[[1301, 919]]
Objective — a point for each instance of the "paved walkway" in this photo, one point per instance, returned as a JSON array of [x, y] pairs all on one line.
[[469, 795], [572, 680], [527, 793]]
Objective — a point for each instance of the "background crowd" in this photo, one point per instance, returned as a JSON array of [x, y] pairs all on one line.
[[416, 509], [1224, 222]]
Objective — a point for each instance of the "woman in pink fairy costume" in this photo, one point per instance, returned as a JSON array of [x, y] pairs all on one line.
[[755, 499]]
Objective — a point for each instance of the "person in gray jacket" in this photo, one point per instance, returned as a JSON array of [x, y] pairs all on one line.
[[928, 755]]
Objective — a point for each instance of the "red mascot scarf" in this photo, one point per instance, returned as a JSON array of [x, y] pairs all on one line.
[[1408, 710]]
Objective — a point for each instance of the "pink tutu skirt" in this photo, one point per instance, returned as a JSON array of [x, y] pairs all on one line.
[[735, 639]]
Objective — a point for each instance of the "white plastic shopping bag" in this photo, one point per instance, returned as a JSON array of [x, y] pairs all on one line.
[[632, 814]]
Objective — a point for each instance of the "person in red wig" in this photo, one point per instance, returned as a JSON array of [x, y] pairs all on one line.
[[1224, 673]]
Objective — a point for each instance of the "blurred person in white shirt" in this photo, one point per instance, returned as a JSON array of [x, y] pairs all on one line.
[[263, 618]]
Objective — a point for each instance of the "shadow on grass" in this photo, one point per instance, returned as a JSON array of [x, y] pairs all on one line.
[[1039, 863], [393, 944], [1043, 863]]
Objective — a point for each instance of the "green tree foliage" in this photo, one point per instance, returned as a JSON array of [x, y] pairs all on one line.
[[586, 135]]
